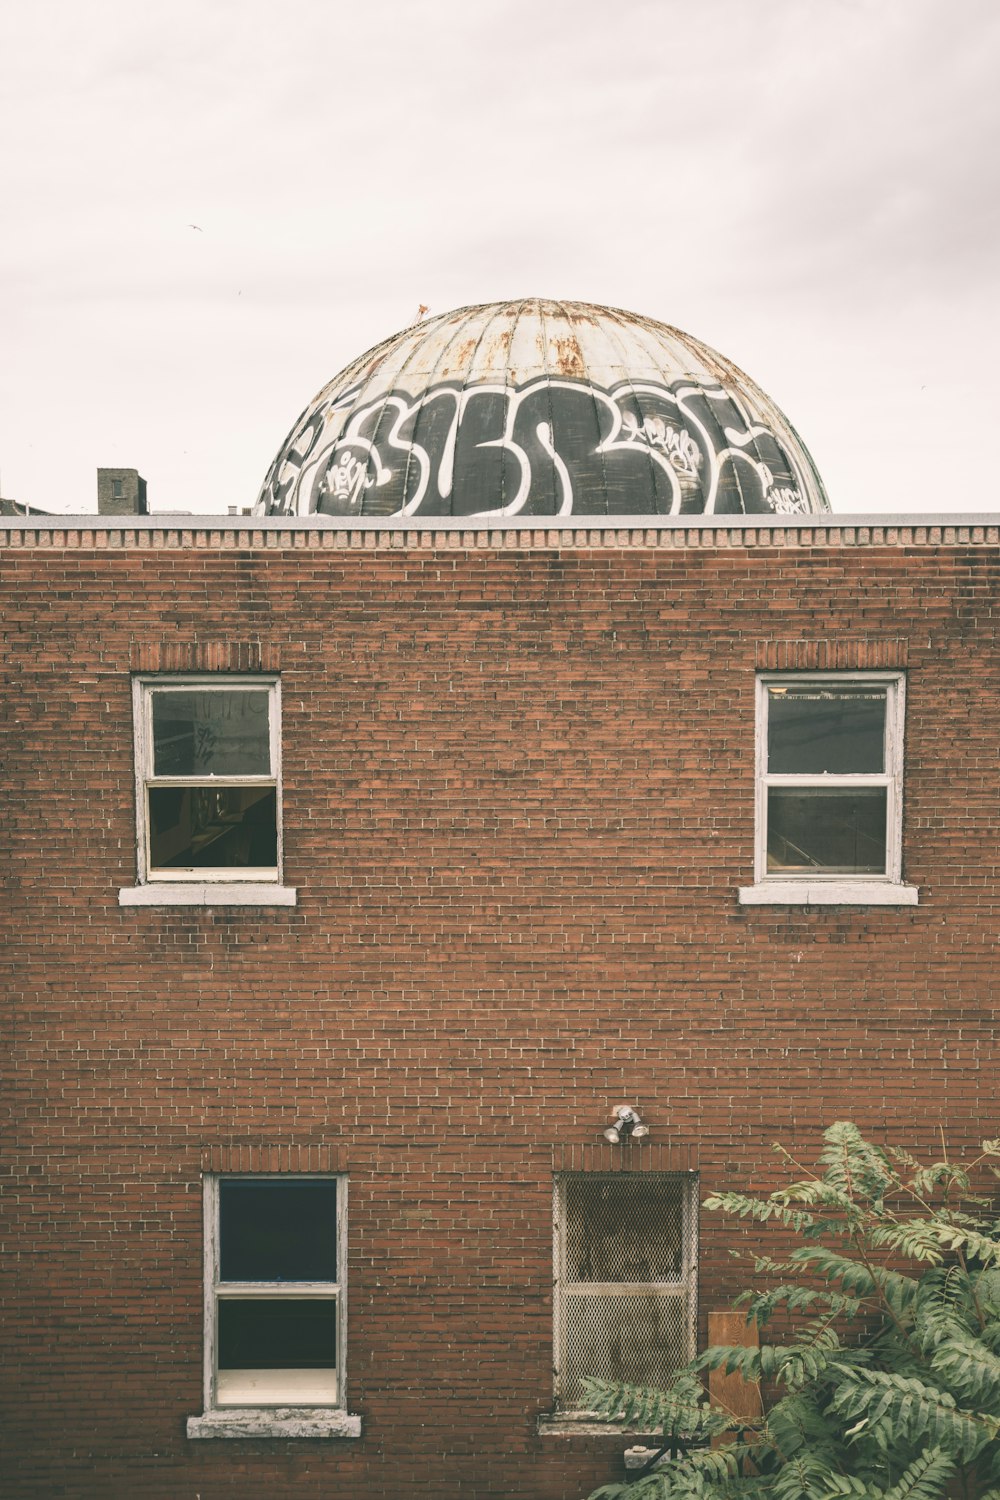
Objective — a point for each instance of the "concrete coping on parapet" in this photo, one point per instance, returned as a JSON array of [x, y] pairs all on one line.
[[537, 533]]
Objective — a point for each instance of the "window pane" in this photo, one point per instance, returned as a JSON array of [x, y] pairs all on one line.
[[812, 729], [298, 1387], [623, 1229], [277, 1333], [277, 1230], [197, 828], [214, 732], [836, 831]]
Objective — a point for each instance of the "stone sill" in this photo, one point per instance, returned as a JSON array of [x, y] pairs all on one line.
[[827, 893], [638, 1458], [275, 1421], [584, 1424], [208, 893]]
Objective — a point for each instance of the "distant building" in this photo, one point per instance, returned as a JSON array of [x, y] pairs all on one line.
[[16, 508], [543, 745], [121, 492]]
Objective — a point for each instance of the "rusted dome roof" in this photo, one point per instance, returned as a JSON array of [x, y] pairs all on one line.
[[539, 408]]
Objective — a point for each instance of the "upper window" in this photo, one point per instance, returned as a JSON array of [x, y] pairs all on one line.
[[829, 785], [625, 1278], [208, 789]]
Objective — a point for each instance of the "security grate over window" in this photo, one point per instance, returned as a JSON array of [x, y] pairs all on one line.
[[625, 1278]]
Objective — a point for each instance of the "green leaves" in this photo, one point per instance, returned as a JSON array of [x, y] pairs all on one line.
[[891, 1408], [971, 1369], [925, 1478], [885, 1385], [740, 1207], [681, 1411]]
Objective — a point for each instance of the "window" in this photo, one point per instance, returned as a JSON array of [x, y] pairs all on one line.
[[625, 1254], [829, 788], [117, 489], [274, 1306], [208, 790]]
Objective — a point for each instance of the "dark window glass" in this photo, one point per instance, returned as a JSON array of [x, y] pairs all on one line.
[[814, 729], [221, 732], [199, 828], [835, 830], [277, 1333], [623, 1229], [277, 1230]]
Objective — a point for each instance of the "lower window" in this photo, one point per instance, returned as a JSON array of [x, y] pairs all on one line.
[[625, 1250], [274, 1291]]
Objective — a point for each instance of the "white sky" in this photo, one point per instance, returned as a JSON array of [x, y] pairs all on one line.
[[811, 186]]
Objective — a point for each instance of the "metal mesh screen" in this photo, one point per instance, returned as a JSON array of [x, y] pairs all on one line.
[[625, 1277], [624, 1228], [641, 1339]]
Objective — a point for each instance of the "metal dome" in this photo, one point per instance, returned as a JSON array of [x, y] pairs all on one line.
[[539, 408]]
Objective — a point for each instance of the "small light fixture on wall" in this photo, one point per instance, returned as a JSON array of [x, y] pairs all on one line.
[[627, 1126]]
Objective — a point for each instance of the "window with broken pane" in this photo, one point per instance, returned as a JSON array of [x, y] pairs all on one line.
[[830, 776], [209, 793]]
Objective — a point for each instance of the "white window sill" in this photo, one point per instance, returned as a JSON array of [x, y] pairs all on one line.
[[827, 893], [275, 1421], [208, 893]]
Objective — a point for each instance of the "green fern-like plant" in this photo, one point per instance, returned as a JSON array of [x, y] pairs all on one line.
[[887, 1386]]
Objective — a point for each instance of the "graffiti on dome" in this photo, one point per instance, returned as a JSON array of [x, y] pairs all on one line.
[[551, 447]]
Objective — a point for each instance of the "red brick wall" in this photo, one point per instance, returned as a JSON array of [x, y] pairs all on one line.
[[518, 800]]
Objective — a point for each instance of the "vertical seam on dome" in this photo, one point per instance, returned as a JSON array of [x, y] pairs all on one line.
[[563, 307], [487, 324], [414, 347], [467, 317], [548, 377], [522, 304], [616, 319]]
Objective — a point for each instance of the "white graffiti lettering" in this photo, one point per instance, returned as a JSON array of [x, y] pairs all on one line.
[[676, 443], [346, 478]]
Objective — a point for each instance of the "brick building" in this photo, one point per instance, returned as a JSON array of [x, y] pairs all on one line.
[[358, 865]]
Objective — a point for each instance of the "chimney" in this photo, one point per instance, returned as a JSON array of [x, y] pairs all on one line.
[[121, 492]]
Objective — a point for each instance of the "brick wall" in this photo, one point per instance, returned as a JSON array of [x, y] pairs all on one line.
[[518, 800]]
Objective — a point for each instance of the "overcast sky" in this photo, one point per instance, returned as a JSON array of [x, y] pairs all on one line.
[[208, 207]]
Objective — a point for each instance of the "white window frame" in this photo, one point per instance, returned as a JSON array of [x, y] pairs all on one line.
[[277, 1417], [833, 887], [685, 1286], [205, 886]]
